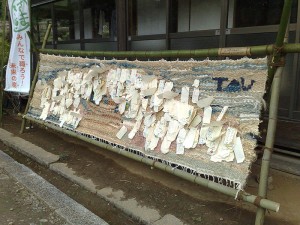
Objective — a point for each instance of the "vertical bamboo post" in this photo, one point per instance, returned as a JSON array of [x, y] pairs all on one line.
[[33, 83], [4, 3], [273, 111], [279, 40]]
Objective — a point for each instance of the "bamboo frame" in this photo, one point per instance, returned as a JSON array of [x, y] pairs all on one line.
[[264, 203], [277, 51], [4, 4], [259, 50], [33, 83], [275, 78]]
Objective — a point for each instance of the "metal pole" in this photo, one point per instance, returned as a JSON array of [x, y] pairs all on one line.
[[33, 83], [241, 195], [4, 3]]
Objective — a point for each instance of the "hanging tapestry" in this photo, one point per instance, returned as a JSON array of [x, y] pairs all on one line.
[[198, 116]]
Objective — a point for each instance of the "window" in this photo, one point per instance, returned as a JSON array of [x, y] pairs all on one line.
[[248, 13], [67, 20], [147, 17], [99, 19], [41, 17], [193, 15]]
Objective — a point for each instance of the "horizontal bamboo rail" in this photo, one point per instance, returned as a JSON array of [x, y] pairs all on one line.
[[260, 50], [241, 195]]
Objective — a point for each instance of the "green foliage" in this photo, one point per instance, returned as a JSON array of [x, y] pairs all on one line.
[[6, 49]]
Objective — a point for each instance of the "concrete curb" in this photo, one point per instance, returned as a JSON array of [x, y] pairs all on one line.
[[131, 207], [67, 208], [26, 148]]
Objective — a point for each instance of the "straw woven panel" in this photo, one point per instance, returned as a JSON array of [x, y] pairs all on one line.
[[199, 116]]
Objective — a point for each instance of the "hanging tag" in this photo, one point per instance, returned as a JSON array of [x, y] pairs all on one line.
[[149, 120], [207, 115], [168, 95], [165, 146], [190, 137], [196, 83], [173, 129], [185, 92], [221, 115], [52, 106], [144, 104], [122, 107], [230, 135], [45, 111], [153, 142], [239, 151], [161, 128], [213, 146], [148, 135], [148, 78], [213, 133], [203, 132], [133, 76], [121, 132], [124, 75], [149, 92], [179, 142], [196, 138], [196, 121], [205, 102], [195, 95], [168, 86]]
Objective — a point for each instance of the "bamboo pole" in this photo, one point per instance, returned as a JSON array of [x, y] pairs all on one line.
[[214, 52], [4, 3], [282, 38], [279, 44], [33, 83], [260, 50], [241, 195]]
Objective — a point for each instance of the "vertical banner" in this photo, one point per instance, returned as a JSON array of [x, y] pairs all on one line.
[[18, 68]]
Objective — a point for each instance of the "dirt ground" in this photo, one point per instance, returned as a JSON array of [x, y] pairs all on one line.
[[170, 195], [19, 207]]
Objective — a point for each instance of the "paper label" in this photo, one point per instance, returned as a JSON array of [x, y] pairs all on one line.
[[124, 75], [239, 151], [196, 121], [203, 132], [168, 95], [121, 132], [205, 102], [190, 137], [230, 135], [196, 83], [235, 51], [180, 139], [213, 133], [207, 115], [185, 92], [195, 95], [220, 117]]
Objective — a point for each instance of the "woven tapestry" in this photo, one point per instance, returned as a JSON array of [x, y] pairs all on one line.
[[198, 116]]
